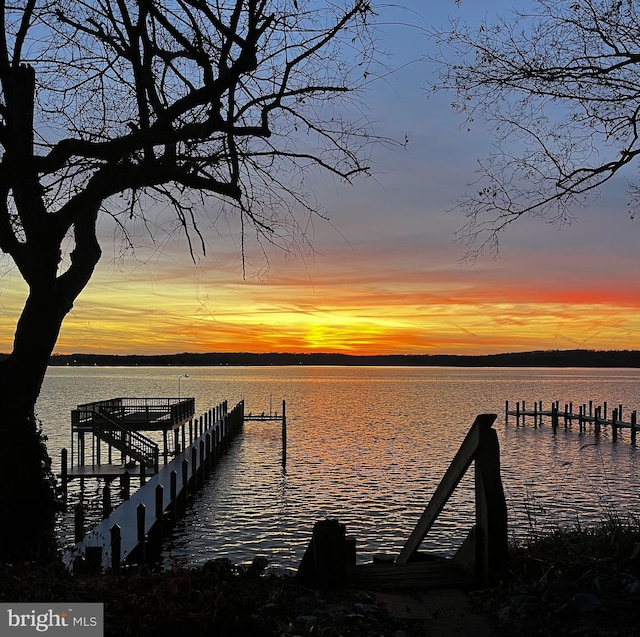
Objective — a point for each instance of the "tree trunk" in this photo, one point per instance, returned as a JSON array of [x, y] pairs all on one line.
[[28, 498]]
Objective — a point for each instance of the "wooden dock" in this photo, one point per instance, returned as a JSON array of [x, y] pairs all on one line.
[[139, 519], [588, 416]]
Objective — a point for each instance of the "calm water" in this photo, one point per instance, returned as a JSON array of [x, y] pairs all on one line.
[[369, 446]]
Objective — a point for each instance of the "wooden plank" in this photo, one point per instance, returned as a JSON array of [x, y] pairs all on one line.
[[437, 573], [449, 482]]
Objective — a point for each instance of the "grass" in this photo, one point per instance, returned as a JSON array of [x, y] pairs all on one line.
[[572, 581]]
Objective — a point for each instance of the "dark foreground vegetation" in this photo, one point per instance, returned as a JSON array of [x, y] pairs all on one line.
[[218, 599], [542, 358], [583, 581]]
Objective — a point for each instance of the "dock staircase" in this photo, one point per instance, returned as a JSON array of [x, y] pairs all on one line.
[[117, 425], [131, 444]]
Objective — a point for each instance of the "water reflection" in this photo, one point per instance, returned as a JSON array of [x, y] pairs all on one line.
[[369, 446]]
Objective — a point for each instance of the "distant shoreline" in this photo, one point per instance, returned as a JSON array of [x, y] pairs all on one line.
[[546, 358]]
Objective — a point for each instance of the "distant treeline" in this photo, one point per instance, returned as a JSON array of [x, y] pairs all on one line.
[[548, 358]]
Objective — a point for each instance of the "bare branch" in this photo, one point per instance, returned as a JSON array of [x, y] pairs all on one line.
[[558, 85]]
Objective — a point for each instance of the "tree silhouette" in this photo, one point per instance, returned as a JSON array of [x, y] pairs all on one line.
[[117, 107], [559, 85]]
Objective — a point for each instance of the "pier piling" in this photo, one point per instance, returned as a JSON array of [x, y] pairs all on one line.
[[588, 415]]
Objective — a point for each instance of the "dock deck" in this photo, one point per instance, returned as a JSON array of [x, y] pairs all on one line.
[[439, 573], [106, 471]]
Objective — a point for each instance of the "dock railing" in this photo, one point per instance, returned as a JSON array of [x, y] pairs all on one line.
[[146, 413]]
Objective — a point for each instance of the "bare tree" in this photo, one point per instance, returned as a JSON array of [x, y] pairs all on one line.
[[560, 86], [114, 107]]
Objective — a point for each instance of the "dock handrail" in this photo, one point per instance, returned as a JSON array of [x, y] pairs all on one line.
[[488, 540]]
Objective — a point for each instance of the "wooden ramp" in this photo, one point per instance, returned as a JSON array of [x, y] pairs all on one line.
[[126, 515]]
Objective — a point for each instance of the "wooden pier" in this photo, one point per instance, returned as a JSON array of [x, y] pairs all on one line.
[[594, 417], [126, 533]]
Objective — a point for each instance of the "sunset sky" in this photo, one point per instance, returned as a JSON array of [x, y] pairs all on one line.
[[386, 275]]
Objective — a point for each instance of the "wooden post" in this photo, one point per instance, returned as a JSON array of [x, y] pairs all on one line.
[[491, 508], [78, 515], [143, 472], [554, 419], [194, 469], [64, 473], [173, 494], [125, 485], [165, 445], [185, 478], [208, 453], [140, 534], [614, 431], [106, 501], [201, 469], [159, 501], [506, 411], [284, 434], [633, 427], [116, 547], [329, 554], [517, 414]]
